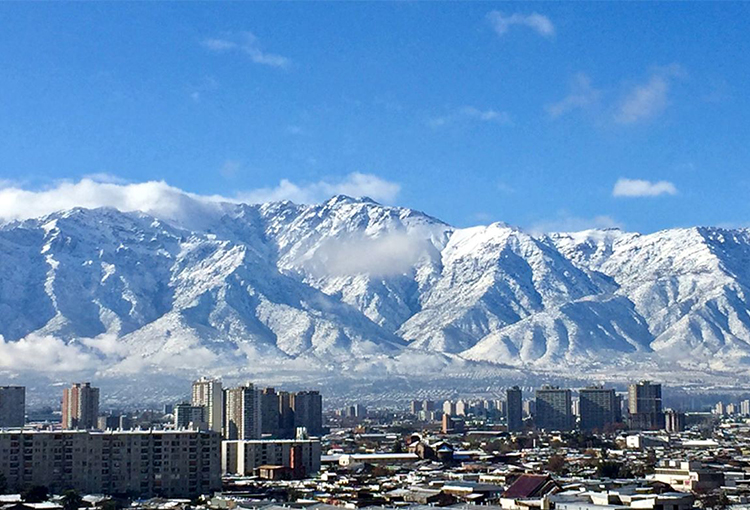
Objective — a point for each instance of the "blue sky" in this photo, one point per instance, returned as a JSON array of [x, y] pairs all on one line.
[[551, 116]]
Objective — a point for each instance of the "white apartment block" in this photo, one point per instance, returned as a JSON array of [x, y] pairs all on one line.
[[302, 457]]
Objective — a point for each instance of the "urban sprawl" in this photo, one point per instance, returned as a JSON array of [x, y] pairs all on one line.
[[251, 448]]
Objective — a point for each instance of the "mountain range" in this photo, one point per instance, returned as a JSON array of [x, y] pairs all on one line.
[[353, 283]]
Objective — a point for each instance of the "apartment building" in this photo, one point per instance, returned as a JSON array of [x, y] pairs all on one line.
[[141, 463], [12, 406], [300, 457]]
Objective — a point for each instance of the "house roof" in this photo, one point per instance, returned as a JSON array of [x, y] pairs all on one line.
[[527, 486]]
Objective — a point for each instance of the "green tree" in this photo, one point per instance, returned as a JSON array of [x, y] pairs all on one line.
[[35, 494], [608, 469], [111, 504], [71, 500]]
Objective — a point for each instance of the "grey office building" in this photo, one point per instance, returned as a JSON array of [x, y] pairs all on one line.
[[308, 411], [514, 409], [553, 409], [12, 406], [644, 406], [598, 408]]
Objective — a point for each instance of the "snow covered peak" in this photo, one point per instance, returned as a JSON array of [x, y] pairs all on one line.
[[350, 279]]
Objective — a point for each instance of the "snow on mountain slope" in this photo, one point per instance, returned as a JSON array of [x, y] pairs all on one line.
[[690, 285], [492, 277], [351, 282], [98, 273], [377, 259], [578, 333]]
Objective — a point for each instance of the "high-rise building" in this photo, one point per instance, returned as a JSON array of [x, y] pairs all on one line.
[[745, 407], [270, 415], [12, 406], [243, 418], [360, 411], [209, 394], [80, 407], [188, 416], [428, 405], [308, 411], [719, 409], [644, 406], [553, 409], [286, 415], [514, 409], [598, 408], [415, 407], [529, 407], [462, 408], [449, 408], [674, 421]]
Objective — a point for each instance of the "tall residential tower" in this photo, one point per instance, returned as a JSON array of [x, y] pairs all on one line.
[[80, 407], [209, 394], [12, 406]]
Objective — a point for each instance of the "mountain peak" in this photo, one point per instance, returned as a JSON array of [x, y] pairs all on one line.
[[346, 199]]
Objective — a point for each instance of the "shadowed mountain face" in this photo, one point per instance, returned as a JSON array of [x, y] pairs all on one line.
[[352, 280]]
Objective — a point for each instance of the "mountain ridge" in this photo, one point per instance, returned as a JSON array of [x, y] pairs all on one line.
[[350, 281]]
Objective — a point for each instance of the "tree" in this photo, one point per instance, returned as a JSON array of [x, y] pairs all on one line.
[[71, 500], [35, 494], [608, 469], [556, 464], [111, 504]]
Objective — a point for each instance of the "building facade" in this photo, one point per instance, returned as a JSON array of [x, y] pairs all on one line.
[[141, 463], [12, 406], [300, 457], [597, 408], [308, 411], [514, 409], [243, 413], [270, 413], [188, 416], [80, 407], [286, 415], [674, 421], [554, 409], [644, 406], [209, 394]]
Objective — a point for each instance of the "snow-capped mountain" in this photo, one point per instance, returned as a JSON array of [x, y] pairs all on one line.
[[352, 281]]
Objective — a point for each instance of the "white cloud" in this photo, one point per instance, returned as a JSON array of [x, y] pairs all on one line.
[[247, 43], [582, 95], [166, 202], [642, 188], [565, 222], [99, 177], [154, 197], [537, 22], [649, 99], [391, 254], [471, 113], [45, 353], [355, 184]]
